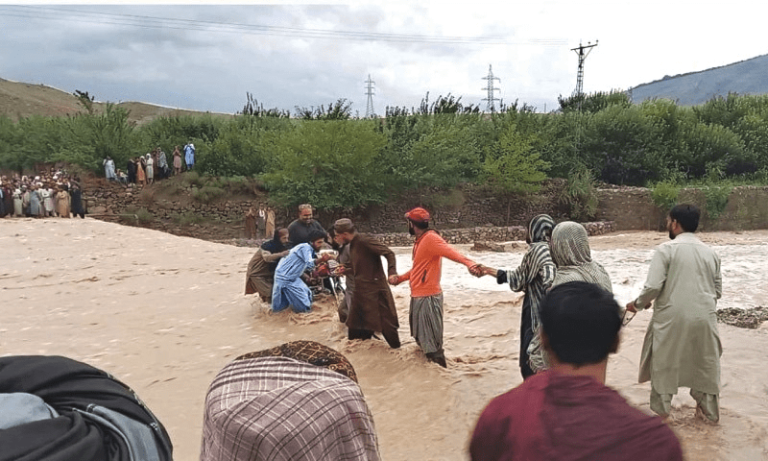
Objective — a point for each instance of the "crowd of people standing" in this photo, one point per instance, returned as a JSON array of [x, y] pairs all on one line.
[[52, 193], [154, 165]]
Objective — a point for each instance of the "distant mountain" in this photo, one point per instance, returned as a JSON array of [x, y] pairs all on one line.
[[744, 77], [21, 100]]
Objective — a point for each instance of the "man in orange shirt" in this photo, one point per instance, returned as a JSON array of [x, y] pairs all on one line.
[[426, 312]]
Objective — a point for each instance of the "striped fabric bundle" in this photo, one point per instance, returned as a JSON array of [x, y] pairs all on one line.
[[279, 408]]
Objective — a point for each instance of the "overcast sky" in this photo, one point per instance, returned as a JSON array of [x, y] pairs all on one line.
[[205, 57]]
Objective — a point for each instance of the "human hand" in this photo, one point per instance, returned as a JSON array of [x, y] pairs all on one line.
[[393, 280], [631, 307], [477, 270]]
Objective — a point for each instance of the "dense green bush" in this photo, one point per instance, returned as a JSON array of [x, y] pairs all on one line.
[[580, 195], [664, 195], [335, 160]]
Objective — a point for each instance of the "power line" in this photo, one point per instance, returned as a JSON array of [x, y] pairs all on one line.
[[130, 20]]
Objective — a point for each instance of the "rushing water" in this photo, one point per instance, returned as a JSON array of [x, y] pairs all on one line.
[[165, 313]]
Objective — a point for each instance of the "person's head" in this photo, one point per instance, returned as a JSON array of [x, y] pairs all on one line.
[[540, 229], [418, 219], [570, 245], [282, 235], [316, 239], [580, 324], [305, 213], [344, 231], [682, 218]]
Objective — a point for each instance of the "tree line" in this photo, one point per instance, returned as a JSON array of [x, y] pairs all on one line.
[[334, 160]]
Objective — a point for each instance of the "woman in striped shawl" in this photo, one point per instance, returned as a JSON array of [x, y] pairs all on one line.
[[571, 254], [534, 276]]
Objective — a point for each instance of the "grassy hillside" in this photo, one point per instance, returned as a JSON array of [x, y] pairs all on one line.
[[20, 100], [744, 77]]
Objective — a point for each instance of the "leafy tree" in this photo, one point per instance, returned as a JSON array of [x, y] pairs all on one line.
[[328, 163], [253, 108], [513, 167]]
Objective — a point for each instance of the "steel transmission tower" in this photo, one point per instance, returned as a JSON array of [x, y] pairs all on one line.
[[580, 51], [369, 107], [491, 95]]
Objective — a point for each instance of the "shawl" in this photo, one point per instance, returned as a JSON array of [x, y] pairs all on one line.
[[573, 257], [279, 408], [534, 276]]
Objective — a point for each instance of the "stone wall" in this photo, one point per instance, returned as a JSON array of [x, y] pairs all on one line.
[[465, 215], [631, 208], [485, 234]]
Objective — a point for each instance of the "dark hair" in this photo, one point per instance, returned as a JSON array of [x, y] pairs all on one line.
[[315, 234], [581, 321], [687, 215], [420, 224]]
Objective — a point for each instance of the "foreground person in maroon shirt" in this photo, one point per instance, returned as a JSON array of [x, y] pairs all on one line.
[[567, 413]]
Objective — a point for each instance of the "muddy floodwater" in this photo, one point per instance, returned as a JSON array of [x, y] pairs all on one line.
[[165, 313]]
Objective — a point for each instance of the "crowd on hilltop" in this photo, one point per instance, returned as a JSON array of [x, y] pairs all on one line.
[[51, 193], [145, 169]]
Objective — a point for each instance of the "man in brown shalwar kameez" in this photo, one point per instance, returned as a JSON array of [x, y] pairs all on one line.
[[261, 270], [372, 306]]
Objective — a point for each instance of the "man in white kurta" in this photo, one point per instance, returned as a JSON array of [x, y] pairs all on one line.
[[682, 345]]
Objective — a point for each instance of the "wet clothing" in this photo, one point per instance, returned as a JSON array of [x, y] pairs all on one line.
[[682, 344], [86, 415], [552, 416], [572, 256], [289, 289], [534, 276], [298, 232], [349, 281], [426, 310], [259, 278], [425, 317], [372, 306], [428, 253]]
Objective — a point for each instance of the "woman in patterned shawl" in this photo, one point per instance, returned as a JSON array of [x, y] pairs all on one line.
[[571, 254], [573, 257], [534, 276], [299, 400]]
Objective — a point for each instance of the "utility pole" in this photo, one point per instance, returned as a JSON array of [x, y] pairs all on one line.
[[490, 89], [580, 51], [369, 107]]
